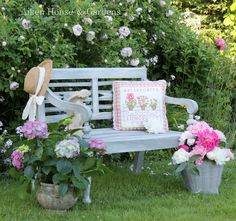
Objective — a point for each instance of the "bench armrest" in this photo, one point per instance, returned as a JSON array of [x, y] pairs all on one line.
[[67, 106], [191, 105]]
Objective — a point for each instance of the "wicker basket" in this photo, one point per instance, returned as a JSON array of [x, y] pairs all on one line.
[[208, 181]]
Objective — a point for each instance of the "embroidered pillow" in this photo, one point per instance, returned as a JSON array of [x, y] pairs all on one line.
[[137, 103]]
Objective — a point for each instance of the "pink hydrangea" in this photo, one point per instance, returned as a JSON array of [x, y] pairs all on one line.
[[35, 129], [207, 139], [17, 159], [220, 43], [97, 144]]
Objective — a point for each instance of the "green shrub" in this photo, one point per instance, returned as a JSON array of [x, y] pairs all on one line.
[[158, 38]]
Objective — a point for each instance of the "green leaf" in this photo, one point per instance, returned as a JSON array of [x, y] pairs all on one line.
[[78, 183], [63, 188], [233, 7], [58, 177], [180, 168], [76, 170], [194, 158], [39, 152], [29, 172], [89, 163], [46, 170], [64, 166], [50, 163], [14, 173]]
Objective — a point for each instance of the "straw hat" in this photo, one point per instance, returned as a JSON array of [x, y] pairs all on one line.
[[31, 78]]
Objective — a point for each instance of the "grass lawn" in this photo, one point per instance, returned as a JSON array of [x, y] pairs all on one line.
[[125, 196]]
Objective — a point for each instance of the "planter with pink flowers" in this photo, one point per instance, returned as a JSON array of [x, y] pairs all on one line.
[[200, 157]]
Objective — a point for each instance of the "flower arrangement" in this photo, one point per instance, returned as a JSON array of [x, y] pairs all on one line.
[[130, 101], [198, 143], [53, 154]]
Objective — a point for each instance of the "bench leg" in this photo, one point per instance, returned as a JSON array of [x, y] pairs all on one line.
[[87, 199], [138, 162]]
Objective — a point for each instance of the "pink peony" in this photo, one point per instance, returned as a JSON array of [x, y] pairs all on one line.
[[198, 127], [220, 43], [207, 139], [185, 147], [35, 129], [17, 159], [198, 150], [97, 144]]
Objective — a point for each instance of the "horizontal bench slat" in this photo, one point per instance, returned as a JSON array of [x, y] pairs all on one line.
[[70, 84], [99, 73]]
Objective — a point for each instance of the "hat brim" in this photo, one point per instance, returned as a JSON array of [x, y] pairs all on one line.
[[47, 64], [31, 78]]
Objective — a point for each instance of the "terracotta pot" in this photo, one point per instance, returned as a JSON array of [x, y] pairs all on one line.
[[208, 181], [49, 198], [130, 108]]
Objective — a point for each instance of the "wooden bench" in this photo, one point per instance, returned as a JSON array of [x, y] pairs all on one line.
[[99, 107]]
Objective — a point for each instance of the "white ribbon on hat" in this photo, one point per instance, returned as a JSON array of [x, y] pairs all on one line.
[[34, 100]]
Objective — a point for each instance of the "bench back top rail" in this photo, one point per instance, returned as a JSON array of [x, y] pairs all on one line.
[[65, 81]]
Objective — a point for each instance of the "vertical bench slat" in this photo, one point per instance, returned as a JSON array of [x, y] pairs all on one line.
[[95, 102]]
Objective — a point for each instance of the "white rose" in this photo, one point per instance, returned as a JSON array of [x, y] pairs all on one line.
[[180, 156], [220, 156], [77, 29]]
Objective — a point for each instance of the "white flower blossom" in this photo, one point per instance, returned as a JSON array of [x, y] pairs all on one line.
[[124, 31], [2, 99], [134, 62], [221, 135], [131, 18], [169, 13], [154, 60], [8, 143], [88, 21], [4, 43], [172, 77], [180, 156], [190, 141], [181, 127], [26, 23], [77, 29], [184, 136], [220, 156], [1, 124], [90, 36], [109, 18], [22, 37], [139, 11], [162, 3], [126, 52], [65, 25], [131, 1], [197, 117], [14, 85]]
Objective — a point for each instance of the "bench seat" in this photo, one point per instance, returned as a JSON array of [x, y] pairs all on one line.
[[133, 141]]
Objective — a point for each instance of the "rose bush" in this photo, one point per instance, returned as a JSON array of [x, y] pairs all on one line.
[[111, 33]]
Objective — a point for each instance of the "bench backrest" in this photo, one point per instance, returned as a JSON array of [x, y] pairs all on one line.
[[64, 81]]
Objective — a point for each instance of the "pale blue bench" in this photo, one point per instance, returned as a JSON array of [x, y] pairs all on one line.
[[99, 107]]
